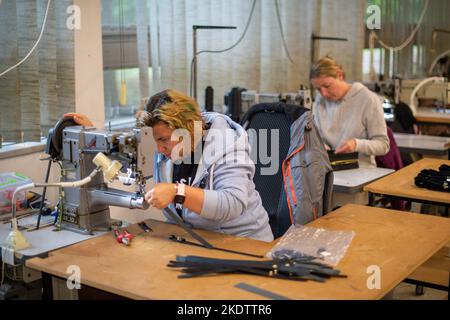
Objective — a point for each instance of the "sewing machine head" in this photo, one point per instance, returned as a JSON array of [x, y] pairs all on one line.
[[86, 208]]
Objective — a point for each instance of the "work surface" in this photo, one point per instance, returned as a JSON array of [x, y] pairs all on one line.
[[353, 180], [427, 115], [422, 143], [401, 183], [45, 239], [397, 242]]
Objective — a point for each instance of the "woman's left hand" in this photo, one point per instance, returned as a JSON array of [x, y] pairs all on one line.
[[348, 146], [161, 195]]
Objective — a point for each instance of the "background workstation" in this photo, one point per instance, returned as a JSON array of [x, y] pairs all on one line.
[[101, 58]]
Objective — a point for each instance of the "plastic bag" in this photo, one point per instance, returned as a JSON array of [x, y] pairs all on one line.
[[300, 241]]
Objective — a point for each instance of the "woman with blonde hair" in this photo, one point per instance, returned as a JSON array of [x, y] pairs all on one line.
[[202, 168], [349, 116]]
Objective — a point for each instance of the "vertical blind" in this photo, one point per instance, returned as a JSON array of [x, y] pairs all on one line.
[[260, 61], [398, 20], [35, 94]]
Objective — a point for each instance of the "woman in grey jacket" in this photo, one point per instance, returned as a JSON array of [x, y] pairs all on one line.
[[203, 169], [349, 116]]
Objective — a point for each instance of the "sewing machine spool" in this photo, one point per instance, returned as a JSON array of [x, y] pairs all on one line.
[[109, 168]]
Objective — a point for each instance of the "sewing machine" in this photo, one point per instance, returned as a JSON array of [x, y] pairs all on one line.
[[89, 159], [239, 100], [432, 92], [86, 208], [302, 98]]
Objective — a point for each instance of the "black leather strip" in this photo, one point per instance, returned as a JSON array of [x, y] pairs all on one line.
[[194, 234], [183, 240]]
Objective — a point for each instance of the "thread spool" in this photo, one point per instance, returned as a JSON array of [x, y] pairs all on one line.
[[123, 94], [110, 168]]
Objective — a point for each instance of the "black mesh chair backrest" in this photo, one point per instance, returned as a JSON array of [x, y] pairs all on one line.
[[271, 116], [404, 119]]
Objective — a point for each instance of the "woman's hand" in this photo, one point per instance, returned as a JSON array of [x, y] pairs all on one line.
[[161, 195], [348, 146]]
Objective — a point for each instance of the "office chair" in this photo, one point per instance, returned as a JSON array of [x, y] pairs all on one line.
[[270, 116]]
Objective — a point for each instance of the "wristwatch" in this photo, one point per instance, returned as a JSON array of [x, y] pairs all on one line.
[[180, 195]]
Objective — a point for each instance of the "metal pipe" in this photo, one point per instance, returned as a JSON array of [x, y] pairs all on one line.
[[194, 49], [43, 194], [412, 102], [313, 43], [435, 61], [118, 198], [194, 68]]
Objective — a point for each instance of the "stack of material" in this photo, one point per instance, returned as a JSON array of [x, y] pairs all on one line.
[[343, 161], [433, 179], [301, 269]]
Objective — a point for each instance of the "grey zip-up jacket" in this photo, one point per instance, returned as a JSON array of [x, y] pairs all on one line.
[[225, 172], [308, 171]]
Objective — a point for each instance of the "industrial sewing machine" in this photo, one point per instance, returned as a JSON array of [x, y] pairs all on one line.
[[86, 208], [89, 159], [239, 100]]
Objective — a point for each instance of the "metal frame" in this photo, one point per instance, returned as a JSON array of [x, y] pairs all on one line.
[[435, 203], [86, 292]]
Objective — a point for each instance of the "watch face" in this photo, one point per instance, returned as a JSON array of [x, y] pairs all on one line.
[[179, 199]]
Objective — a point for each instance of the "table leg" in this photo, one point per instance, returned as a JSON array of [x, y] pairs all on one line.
[[47, 286], [419, 290], [371, 199]]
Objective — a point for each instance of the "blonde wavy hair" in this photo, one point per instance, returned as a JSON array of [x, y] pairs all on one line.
[[326, 67], [172, 108]]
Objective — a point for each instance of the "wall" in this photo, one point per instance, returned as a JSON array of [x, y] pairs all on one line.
[[89, 97]]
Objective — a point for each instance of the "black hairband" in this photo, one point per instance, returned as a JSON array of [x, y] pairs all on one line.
[[157, 100]]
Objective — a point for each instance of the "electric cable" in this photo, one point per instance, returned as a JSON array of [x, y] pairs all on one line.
[[410, 37], [435, 61], [34, 46], [277, 9], [223, 50], [41, 207]]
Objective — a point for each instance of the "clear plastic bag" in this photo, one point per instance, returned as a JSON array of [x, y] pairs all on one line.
[[300, 241]]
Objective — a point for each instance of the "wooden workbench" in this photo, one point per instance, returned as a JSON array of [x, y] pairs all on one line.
[[423, 144], [401, 184], [397, 242], [429, 115]]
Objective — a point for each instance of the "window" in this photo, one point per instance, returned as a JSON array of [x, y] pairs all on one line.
[[378, 63], [122, 78], [116, 115], [417, 59], [38, 92]]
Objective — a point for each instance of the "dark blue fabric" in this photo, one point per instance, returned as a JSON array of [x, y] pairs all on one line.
[[270, 187]]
